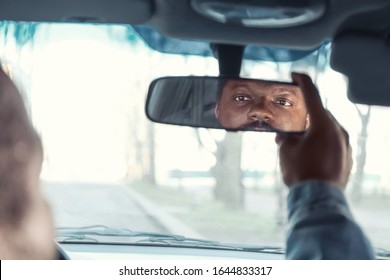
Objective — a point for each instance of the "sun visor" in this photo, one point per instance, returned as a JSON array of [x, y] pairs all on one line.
[[365, 59]]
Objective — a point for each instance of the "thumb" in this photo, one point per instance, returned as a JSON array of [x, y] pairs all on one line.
[[290, 138]]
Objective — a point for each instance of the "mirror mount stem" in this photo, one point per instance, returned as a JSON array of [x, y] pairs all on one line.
[[229, 59]]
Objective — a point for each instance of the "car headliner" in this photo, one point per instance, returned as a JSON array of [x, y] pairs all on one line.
[[172, 18]]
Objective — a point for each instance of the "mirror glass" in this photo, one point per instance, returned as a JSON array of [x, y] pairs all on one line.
[[227, 103]]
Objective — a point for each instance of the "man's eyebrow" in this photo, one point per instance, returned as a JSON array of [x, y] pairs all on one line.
[[282, 89], [240, 84], [275, 88]]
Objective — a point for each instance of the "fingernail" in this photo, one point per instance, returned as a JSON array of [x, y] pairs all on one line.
[[294, 76]]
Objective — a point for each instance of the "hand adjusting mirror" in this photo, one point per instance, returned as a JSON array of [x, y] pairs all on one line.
[[228, 103]]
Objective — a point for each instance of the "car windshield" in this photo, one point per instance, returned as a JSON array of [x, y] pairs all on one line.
[[108, 168]]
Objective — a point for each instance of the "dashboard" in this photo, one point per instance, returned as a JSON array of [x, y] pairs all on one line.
[[88, 251]]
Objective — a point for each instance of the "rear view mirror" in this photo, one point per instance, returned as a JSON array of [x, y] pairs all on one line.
[[227, 103]]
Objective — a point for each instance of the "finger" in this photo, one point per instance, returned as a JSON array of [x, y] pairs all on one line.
[[346, 136], [312, 99], [349, 159]]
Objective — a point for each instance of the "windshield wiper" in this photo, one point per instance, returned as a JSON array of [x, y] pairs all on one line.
[[382, 253], [204, 243], [83, 233], [91, 233]]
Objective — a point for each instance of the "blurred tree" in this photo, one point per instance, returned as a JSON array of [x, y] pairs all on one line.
[[360, 161], [227, 152], [227, 171], [150, 174], [23, 32], [140, 157]]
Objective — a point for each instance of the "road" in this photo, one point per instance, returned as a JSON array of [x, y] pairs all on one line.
[[118, 206], [85, 204]]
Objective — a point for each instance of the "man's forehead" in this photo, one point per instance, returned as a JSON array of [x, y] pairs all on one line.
[[261, 84], [242, 82]]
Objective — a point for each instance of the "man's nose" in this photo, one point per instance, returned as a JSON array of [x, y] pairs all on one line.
[[260, 111]]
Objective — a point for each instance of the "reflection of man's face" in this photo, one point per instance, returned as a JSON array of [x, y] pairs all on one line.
[[258, 105]]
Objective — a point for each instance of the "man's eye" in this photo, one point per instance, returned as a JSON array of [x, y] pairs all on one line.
[[241, 98], [283, 102]]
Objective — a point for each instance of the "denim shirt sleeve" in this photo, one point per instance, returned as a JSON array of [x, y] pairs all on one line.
[[321, 225]]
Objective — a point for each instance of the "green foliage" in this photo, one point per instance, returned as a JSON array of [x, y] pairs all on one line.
[[21, 32], [126, 34]]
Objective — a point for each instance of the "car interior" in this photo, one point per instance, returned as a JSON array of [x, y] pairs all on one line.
[[141, 161]]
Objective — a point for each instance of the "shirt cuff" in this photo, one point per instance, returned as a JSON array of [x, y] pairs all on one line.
[[315, 198]]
